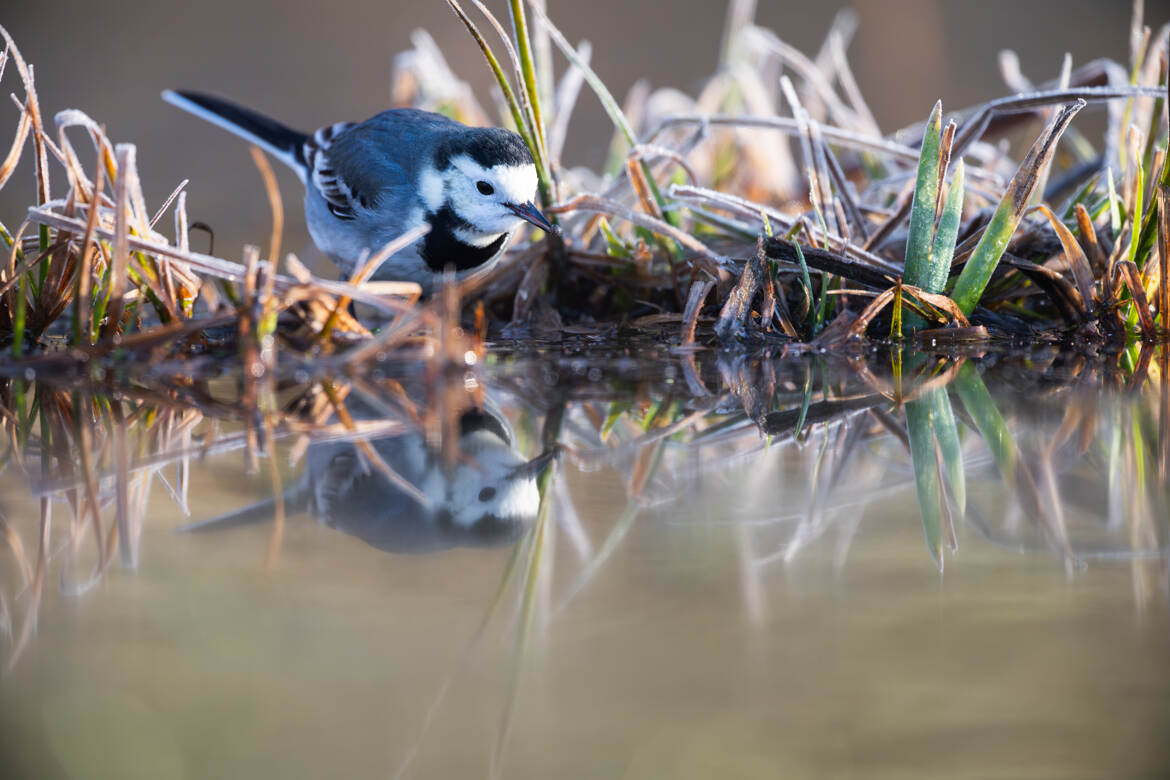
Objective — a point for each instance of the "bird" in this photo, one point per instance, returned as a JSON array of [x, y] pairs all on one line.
[[368, 183], [487, 498]]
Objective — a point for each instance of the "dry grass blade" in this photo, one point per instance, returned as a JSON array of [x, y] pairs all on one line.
[[835, 135], [127, 541], [37, 590], [375, 459], [175, 193], [31, 109], [880, 301], [1095, 254], [567, 94], [974, 127], [120, 259], [901, 211], [410, 290], [1164, 261], [278, 503], [732, 318], [811, 74], [975, 275], [696, 296], [1078, 263], [857, 221], [220, 268], [12, 538], [597, 205], [616, 115], [13, 157], [1129, 272], [272, 190], [505, 87], [24, 267], [819, 191]]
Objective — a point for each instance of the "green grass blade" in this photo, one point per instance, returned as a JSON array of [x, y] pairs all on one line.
[[926, 475], [528, 68], [985, 257], [19, 316], [498, 72], [616, 410], [616, 115], [985, 414], [1149, 231], [1114, 202], [534, 133], [612, 109], [918, 242], [804, 403], [807, 282], [942, 419], [43, 271], [612, 541], [1136, 217], [942, 251]]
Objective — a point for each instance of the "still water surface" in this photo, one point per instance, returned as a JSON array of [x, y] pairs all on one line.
[[731, 575]]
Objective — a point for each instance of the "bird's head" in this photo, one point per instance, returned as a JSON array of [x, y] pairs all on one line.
[[487, 178]]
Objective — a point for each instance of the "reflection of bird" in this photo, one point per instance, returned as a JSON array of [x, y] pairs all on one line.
[[367, 183], [488, 497]]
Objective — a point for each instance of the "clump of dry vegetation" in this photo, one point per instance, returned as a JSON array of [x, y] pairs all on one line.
[[768, 208]]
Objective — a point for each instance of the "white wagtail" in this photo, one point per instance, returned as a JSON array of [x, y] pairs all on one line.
[[366, 183], [489, 497]]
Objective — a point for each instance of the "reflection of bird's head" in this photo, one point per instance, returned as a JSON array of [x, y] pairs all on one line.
[[488, 497]]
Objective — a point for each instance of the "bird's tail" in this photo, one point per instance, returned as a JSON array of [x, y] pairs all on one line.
[[284, 143], [295, 500]]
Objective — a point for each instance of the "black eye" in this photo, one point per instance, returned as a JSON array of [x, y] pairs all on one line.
[[487, 494], [484, 188]]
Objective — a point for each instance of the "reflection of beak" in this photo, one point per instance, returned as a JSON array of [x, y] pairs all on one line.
[[530, 213], [533, 467]]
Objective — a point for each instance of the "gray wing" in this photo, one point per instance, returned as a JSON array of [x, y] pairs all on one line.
[[362, 165], [339, 196]]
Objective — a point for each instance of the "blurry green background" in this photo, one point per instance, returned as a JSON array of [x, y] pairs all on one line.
[[312, 63]]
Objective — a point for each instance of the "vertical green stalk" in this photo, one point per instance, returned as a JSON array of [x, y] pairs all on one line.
[[942, 418], [942, 251], [1136, 217], [926, 476], [807, 282], [44, 265], [804, 404], [896, 320], [100, 302], [528, 67], [19, 316], [985, 257], [918, 242], [985, 414], [612, 109]]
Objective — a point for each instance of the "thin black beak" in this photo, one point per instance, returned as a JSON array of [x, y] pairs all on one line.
[[530, 213], [533, 467]]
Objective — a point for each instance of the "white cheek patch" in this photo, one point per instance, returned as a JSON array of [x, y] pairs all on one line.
[[517, 182], [520, 499], [475, 238], [487, 216], [430, 186]]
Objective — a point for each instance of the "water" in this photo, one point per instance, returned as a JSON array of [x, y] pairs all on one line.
[[698, 600]]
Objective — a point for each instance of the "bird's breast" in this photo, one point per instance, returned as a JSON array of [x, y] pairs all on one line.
[[443, 248]]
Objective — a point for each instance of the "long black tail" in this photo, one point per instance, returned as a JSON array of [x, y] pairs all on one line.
[[281, 141], [295, 501]]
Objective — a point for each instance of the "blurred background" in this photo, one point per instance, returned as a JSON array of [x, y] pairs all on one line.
[[313, 63]]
